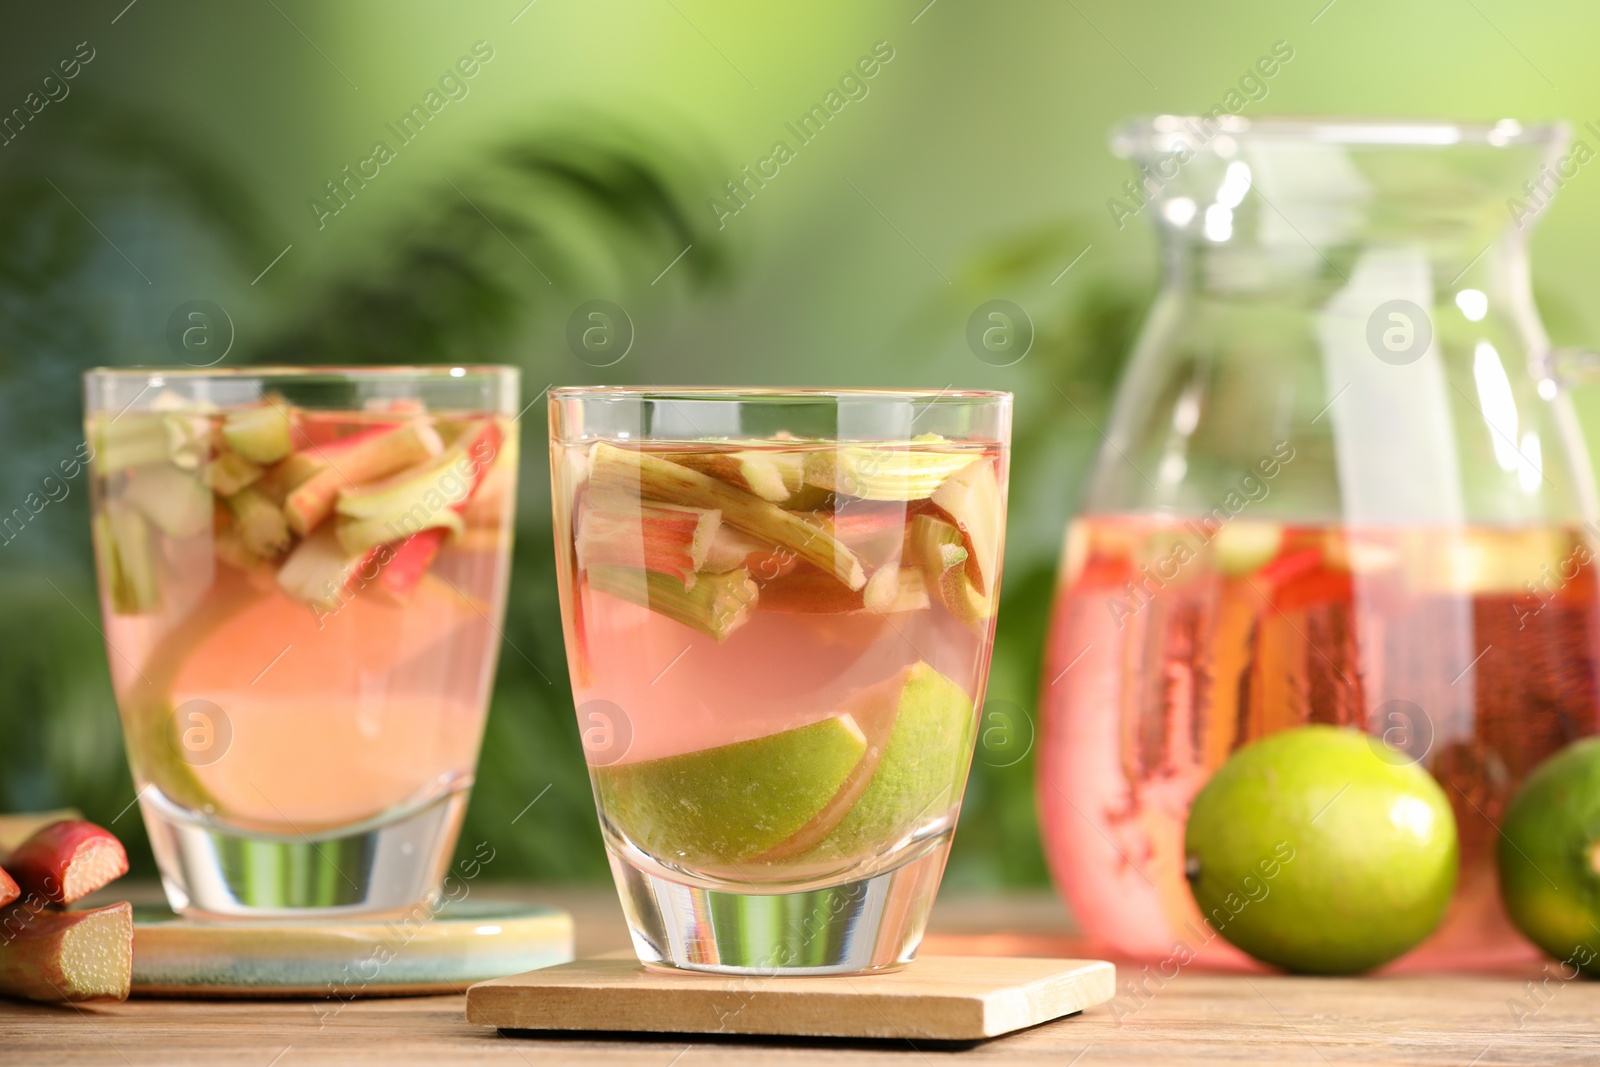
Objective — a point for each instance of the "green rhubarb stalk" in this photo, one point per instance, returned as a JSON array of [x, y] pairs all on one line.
[[230, 472], [261, 435], [716, 605], [135, 440], [127, 560], [882, 472], [971, 499], [940, 548], [262, 528], [642, 474], [175, 501], [774, 476]]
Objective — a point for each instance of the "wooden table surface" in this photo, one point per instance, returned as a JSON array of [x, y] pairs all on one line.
[[1194, 1018]]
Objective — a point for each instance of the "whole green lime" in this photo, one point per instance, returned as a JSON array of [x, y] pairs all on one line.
[[1549, 855], [1321, 850]]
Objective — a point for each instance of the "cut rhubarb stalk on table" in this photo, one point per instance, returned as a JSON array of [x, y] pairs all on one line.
[[426, 495], [8, 889], [127, 560], [66, 861], [618, 531], [971, 499], [177, 502], [943, 554], [260, 524], [56, 956], [717, 605], [774, 476], [230, 472], [630, 472], [261, 435], [374, 457], [882, 472]]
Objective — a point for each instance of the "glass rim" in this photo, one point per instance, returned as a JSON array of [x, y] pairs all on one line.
[[1147, 131], [448, 372], [726, 393]]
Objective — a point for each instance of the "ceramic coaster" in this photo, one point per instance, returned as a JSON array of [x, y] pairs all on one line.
[[444, 953], [937, 998]]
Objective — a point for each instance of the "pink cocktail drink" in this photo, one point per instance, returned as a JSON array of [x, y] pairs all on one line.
[[777, 646], [299, 608]]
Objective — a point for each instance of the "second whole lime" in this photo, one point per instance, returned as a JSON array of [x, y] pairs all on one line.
[[1322, 850], [1549, 857]]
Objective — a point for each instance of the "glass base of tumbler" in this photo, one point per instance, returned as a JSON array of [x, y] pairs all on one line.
[[382, 866], [870, 924]]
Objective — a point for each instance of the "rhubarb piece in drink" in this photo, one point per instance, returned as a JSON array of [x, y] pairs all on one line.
[[320, 572], [882, 472], [943, 553], [728, 804], [374, 457], [971, 499], [177, 502], [430, 494], [260, 524], [55, 956], [774, 476], [289, 474], [716, 604], [230, 472], [808, 591], [649, 476], [617, 531], [261, 435], [1244, 546], [137, 440], [66, 861], [127, 560]]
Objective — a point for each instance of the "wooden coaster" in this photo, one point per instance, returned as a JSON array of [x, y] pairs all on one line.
[[444, 953], [937, 998]]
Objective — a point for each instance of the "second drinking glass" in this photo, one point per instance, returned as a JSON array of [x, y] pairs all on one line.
[[779, 608]]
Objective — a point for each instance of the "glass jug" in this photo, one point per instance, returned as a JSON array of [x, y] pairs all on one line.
[[1341, 483]]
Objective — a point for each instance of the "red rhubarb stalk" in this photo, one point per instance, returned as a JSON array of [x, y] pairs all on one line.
[[56, 956], [66, 861], [375, 457], [665, 538]]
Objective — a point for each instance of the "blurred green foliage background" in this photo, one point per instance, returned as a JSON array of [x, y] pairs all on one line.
[[183, 159]]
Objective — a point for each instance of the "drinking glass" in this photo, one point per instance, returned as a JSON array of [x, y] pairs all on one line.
[[302, 572], [779, 608], [1343, 484]]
